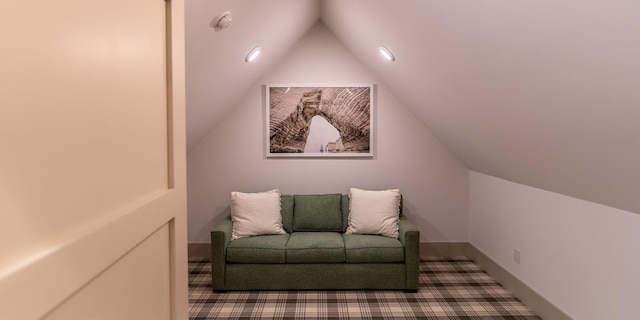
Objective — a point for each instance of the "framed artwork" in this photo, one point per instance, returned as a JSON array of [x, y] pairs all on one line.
[[319, 121]]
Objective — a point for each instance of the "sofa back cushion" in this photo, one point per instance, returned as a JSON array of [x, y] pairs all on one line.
[[345, 212], [318, 213], [286, 210], [287, 205]]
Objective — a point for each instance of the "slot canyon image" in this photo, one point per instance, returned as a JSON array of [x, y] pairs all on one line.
[[319, 121]]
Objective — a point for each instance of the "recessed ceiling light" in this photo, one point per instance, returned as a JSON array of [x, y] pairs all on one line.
[[386, 53], [252, 54]]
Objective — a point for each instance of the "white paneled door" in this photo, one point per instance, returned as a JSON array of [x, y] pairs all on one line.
[[92, 160]]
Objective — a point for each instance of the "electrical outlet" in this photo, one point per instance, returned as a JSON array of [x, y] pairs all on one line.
[[516, 255]]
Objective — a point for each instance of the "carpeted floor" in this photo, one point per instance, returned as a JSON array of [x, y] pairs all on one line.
[[450, 288]]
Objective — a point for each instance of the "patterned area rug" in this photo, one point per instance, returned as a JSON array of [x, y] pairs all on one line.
[[450, 288]]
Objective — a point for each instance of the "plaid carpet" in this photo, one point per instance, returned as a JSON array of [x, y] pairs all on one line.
[[450, 288]]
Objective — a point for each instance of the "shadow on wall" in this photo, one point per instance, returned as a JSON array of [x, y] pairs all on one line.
[[421, 222], [219, 214]]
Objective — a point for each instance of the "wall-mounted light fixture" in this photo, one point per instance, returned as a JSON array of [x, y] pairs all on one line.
[[252, 54], [386, 53]]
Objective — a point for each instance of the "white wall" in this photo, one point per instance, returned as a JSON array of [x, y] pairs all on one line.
[[549, 102], [582, 256], [407, 155]]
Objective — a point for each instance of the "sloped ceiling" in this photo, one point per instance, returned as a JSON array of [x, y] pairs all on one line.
[[543, 93], [217, 75]]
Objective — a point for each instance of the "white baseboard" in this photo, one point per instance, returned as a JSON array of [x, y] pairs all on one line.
[[534, 300], [443, 249]]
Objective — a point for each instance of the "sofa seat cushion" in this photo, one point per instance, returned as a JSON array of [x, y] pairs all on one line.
[[364, 248], [258, 249], [315, 247]]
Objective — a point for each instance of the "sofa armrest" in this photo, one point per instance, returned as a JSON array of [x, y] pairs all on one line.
[[405, 228], [220, 238], [410, 238]]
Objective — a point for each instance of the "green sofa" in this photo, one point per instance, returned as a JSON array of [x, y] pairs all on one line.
[[315, 253]]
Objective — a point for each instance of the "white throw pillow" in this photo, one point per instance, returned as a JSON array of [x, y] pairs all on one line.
[[374, 212], [256, 214]]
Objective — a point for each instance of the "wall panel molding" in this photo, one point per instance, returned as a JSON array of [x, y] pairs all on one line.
[[39, 286]]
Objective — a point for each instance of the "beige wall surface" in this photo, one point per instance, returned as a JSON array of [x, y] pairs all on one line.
[[231, 157], [92, 130], [581, 256]]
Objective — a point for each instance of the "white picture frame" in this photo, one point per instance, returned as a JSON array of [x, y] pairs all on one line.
[[319, 121]]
